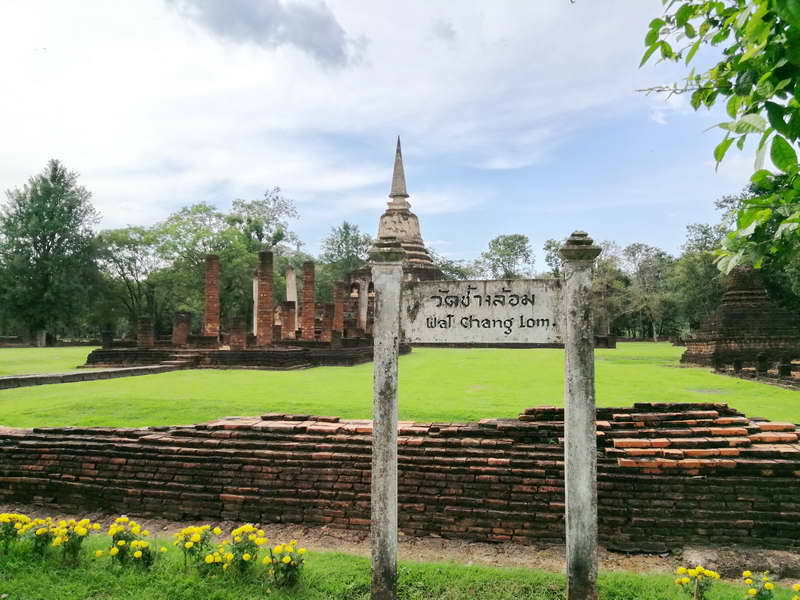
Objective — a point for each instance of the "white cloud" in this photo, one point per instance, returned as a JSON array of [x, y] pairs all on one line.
[[155, 112]]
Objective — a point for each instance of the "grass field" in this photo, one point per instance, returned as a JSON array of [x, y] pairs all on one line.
[[435, 385], [327, 576], [20, 361]]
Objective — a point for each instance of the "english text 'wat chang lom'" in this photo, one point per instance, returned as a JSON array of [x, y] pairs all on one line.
[[297, 333]]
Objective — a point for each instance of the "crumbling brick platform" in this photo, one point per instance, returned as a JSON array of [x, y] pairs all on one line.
[[668, 474]]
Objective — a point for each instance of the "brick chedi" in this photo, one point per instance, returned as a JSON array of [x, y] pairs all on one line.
[[747, 328], [309, 315], [265, 313], [668, 475], [212, 311]]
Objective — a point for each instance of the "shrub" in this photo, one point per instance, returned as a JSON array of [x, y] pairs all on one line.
[[763, 589], [284, 563], [193, 542], [12, 526], [128, 544], [69, 536], [696, 582]]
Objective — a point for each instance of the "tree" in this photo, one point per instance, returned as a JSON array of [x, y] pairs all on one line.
[[508, 257], [47, 250], [552, 258], [758, 77], [345, 249], [452, 269], [647, 295], [265, 221]]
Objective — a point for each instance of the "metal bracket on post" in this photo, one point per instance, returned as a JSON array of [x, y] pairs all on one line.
[[580, 436], [386, 259]]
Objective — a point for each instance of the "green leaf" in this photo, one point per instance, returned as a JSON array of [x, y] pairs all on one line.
[[762, 178], [789, 10], [733, 106], [721, 149], [651, 37], [683, 14], [775, 116], [697, 98], [649, 53], [751, 123], [689, 30], [657, 23], [692, 51], [783, 155]]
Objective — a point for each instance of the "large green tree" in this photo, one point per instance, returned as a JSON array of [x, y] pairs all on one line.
[[47, 250], [756, 74], [508, 257]]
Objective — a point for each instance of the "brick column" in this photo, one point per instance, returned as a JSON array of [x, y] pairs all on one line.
[[238, 338], [327, 322], [288, 324], [338, 306], [145, 336], [180, 328], [265, 314], [308, 321], [211, 315]]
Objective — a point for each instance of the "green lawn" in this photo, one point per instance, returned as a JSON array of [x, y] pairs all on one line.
[[435, 385], [19, 361], [327, 576]]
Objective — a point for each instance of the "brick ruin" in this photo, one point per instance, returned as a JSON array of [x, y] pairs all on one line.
[[299, 332], [748, 330], [668, 475]]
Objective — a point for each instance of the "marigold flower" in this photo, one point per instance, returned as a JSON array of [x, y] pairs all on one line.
[[188, 545], [98, 553], [114, 551], [748, 581], [747, 574], [209, 559], [267, 560], [229, 557], [121, 543], [301, 551], [769, 586], [217, 531], [752, 591], [286, 559], [278, 549], [246, 556], [796, 587], [196, 537], [162, 549], [137, 554], [96, 526], [680, 570]]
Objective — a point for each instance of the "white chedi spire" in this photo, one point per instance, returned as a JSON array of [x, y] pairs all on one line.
[[398, 193]]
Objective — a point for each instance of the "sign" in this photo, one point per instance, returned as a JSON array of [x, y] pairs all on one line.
[[514, 311]]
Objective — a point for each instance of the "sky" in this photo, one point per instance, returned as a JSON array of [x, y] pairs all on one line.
[[515, 117]]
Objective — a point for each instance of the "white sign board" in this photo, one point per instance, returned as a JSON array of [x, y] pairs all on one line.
[[516, 311]]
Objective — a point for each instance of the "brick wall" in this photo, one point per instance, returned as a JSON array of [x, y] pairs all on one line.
[[667, 475], [211, 297]]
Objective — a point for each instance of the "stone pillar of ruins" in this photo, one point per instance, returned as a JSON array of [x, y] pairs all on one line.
[[327, 322], [363, 304], [180, 329], [211, 315], [238, 338], [288, 322], [338, 306], [255, 302], [309, 301], [265, 314], [145, 335], [291, 290]]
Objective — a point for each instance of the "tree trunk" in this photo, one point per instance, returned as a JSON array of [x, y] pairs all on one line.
[[655, 335], [40, 338]]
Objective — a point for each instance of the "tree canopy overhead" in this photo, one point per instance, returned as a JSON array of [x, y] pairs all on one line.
[[757, 77]]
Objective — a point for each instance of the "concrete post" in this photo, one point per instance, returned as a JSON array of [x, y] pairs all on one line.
[[291, 290], [265, 315], [211, 315], [580, 437], [363, 304], [288, 326], [238, 337], [386, 257], [180, 329], [338, 306], [145, 335]]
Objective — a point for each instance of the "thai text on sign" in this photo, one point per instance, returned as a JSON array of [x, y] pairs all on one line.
[[517, 311]]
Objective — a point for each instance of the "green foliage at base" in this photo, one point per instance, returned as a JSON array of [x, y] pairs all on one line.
[[328, 576], [435, 385]]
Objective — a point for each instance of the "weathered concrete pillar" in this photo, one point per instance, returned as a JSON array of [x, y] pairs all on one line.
[[363, 304], [291, 290], [338, 306], [308, 324], [180, 328], [288, 323], [211, 314], [580, 433], [327, 322], [386, 257], [265, 311], [238, 338], [145, 335], [40, 338], [107, 339], [255, 302]]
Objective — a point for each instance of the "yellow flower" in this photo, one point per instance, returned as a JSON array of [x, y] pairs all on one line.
[[98, 553], [286, 559], [796, 587], [237, 538], [96, 526], [748, 581], [217, 531], [114, 551], [293, 543], [162, 549], [122, 520], [680, 570], [137, 554], [229, 557], [278, 549], [267, 560], [188, 545], [81, 531], [225, 566], [752, 591], [747, 574], [196, 537], [209, 559], [261, 541], [301, 551], [136, 529], [246, 556], [145, 533], [769, 586], [121, 543]]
